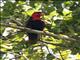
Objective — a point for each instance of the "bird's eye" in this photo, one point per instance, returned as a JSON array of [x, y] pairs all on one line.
[[37, 14]]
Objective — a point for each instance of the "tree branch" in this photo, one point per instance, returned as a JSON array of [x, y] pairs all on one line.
[[46, 42], [41, 32]]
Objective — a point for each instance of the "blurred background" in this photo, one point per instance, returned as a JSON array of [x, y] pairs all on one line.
[[61, 17]]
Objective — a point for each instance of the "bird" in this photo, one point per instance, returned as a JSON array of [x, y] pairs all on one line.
[[35, 22]]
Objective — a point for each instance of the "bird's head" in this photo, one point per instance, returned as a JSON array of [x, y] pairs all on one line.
[[37, 15]]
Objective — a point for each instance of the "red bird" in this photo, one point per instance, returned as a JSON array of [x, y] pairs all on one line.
[[36, 23]]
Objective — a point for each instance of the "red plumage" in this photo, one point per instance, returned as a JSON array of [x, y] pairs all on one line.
[[36, 23]]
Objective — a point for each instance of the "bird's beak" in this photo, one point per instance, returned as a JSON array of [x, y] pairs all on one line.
[[42, 14]]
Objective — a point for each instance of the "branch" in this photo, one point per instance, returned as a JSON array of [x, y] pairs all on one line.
[[46, 42], [17, 22], [41, 32]]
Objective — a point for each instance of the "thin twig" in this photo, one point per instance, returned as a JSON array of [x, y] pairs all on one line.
[[40, 32]]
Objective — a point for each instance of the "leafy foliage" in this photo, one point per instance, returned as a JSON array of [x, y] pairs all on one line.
[[63, 18]]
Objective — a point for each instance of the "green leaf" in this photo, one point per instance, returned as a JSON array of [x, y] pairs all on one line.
[[66, 11]]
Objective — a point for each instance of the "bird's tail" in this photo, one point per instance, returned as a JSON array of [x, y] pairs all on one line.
[[33, 38]]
